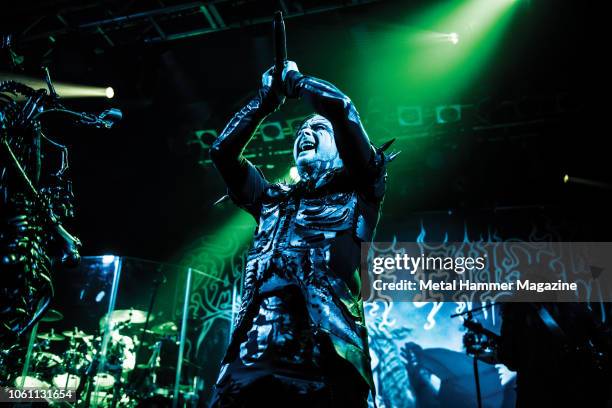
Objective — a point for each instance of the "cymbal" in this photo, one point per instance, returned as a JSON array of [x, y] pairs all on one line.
[[52, 315], [77, 334], [130, 316], [165, 329], [50, 336]]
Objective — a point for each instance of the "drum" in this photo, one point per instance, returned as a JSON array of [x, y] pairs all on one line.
[[103, 381], [121, 352], [31, 382], [66, 381], [44, 366], [74, 366], [101, 398], [43, 360], [104, 399], [75, 361]]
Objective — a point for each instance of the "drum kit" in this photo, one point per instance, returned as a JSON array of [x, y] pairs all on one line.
[[101, 369]]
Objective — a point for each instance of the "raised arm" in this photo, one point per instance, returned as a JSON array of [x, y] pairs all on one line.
[[351, 139], [245, 183]]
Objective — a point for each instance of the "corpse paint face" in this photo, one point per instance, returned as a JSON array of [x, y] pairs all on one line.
[[315, 149]]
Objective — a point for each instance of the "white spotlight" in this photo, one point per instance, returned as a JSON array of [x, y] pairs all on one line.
[[110, 92], [454, 38]]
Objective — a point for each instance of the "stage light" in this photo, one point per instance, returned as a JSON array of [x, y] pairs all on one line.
[[436, 70], [204, 138], [64, 90], [272, 131], [108, 259], [410, 115], [293, 173], [587, 182], [448, 114]]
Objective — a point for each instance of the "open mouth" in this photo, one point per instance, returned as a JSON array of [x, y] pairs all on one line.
[[306, 144]]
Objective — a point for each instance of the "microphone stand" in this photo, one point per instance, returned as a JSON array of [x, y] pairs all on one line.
[[156, 284], [469, 316], [477, 381], [476, 327]]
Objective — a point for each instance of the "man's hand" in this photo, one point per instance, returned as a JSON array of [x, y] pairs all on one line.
[[272, 91], [289, 66], [288, 86], [268, 80]]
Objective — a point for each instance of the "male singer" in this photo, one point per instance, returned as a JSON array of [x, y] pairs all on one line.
[[300, 337]]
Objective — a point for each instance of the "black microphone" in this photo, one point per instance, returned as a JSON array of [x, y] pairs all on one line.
[[280, 45]]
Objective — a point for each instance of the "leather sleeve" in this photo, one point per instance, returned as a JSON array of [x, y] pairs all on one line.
[[244, 181]]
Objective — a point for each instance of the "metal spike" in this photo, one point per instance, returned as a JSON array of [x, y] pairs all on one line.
[[392, 156], [222, 200], [386, 145]]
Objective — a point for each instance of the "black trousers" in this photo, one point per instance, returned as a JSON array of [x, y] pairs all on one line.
[[339, 386]]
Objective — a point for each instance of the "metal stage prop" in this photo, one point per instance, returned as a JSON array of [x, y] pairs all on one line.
[[124, 332]]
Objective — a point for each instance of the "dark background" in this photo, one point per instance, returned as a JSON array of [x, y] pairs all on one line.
[[140, 190]]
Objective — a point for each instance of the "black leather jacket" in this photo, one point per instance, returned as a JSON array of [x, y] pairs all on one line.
[[308, 234]]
